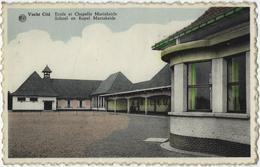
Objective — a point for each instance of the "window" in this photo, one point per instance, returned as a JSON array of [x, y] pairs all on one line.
[[33, 99], [199, 86], [141, 102], [21, 99], [151, 101], [236, 84], [68, 103], [158, 101], [165, 101]]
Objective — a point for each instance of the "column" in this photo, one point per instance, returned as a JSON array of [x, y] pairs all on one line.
[[180, 88], [107, 105], [172, 90], [145, 106], [219, 85], [114, 105], [128, 105], [248, 82]]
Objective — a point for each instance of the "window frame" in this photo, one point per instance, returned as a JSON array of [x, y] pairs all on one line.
[[33, 98], [19, 99], [209, 85], [230, 84]]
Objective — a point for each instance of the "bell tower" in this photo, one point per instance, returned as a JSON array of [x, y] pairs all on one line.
[[46, 72]]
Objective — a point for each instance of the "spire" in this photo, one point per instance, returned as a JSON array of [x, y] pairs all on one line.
[[46, 71]]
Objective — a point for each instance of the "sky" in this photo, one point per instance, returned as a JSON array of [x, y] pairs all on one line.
[[90, 49]]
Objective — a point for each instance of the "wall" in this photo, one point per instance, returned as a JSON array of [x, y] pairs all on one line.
[[62, 103], [230, 129], [86, 104], [28, 105], [216, 126], [74, 104]]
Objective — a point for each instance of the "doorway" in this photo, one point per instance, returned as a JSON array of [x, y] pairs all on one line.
[[47, 105]]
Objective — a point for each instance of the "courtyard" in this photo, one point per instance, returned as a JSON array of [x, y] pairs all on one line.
[[86, 134]]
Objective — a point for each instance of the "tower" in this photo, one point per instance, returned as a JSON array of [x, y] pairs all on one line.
[[46, 71]]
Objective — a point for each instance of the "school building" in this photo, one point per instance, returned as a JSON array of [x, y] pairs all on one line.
[[210, 67], [204, 88], [116, 94]]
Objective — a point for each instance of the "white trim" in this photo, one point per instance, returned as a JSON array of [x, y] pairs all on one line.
[[210, 114], [137, 90]]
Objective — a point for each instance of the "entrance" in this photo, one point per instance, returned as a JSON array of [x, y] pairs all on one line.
[[47, 105]]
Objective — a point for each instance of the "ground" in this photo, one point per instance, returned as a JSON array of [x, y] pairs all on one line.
[[86, 134]]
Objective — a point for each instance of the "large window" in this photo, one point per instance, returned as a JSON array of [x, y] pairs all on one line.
[[199, 86], [236, 84]]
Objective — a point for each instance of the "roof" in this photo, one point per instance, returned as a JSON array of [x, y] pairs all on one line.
[[210, 17], [47, 69], [35, 86], [114, 83], [68, 88], [61, 88], [162, 78]]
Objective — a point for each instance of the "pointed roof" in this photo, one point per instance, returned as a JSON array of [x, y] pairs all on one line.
[[116, 82], [47, 69], [162, 78], [35, 86]]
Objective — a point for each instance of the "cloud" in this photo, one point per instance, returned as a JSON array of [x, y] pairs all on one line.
[[98, 53]]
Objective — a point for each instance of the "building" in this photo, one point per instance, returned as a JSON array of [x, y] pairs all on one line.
[[116, 93], [210, 62], [45, 93], [148, 97]]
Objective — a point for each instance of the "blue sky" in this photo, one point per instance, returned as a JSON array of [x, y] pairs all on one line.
[[127, 17], [91, 49]]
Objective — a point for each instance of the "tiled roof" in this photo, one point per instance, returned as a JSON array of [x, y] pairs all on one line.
[[61, 88], [162, 78], [214, 15], [68, 88], [208, 15], [114, 83], [35, 86]]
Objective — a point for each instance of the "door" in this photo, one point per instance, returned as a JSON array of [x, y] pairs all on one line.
[[48, 105]]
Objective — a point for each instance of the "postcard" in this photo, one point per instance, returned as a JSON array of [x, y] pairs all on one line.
[[129, 83]]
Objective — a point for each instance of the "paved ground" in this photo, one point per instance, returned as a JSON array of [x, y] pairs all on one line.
[[86, 134]]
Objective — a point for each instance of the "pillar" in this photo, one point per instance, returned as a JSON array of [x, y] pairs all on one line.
[[219, 85], [97, 102], [248, 82], [128, 105], [172, 90], [180, 88], [114, 105], [145, 106]]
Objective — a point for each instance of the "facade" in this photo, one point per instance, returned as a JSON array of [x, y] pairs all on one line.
[[148, 97], [210, 62], [37, 94], [116, 93]]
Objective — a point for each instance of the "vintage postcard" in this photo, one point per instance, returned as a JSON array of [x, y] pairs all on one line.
[[129, 83]]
